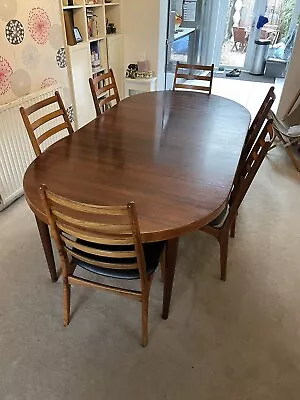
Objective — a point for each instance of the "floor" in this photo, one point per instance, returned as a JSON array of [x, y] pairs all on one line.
[[238, 340], [248, 93], [245, 76]]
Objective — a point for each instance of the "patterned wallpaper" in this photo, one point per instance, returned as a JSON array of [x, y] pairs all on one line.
[[32, 56]]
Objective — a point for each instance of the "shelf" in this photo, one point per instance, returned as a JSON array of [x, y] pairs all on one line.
[[71, 7], [112, 4], [93, 5], [98, 70], [77, 47], [96, 39]]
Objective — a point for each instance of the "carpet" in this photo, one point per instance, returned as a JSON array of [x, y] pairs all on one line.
[[223, 341]]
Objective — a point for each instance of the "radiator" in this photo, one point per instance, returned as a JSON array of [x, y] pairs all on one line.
[[16, 151]]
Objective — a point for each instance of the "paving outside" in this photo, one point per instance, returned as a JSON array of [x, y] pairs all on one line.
[[232, 57]]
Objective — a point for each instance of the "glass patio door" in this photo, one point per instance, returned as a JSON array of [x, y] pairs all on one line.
[[238, 33], [238, 43]]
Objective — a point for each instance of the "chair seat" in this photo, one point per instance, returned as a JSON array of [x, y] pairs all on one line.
[[221, 218], [152, 252]]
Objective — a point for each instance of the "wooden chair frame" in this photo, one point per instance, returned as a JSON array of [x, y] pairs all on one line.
[[103, 94], [251, 136], [246, 176], [71, 222], [192, 76], [32, 126], [241, 37], [257, 124]]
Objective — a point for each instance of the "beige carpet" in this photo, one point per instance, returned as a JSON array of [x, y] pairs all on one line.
[[228, 341]]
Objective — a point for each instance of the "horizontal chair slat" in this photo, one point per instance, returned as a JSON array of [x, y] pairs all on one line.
[[98, 252], [104, 89], [87, 283], [102, 77], [199, 67], [88, 208], [51, 132], [193, 87], [97, 226], [100, 264], [100, 239], [107, 100], [46, 118], [41, 104], [194, 77]]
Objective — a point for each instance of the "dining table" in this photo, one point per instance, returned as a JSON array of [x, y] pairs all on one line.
[[174, 153]]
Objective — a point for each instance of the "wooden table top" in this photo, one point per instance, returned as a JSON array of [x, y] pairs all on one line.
[[173, 153]]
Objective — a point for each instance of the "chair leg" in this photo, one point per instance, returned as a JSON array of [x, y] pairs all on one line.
[[232, 228], [223, 242], [67, 302], [163, 265], [145, 308]]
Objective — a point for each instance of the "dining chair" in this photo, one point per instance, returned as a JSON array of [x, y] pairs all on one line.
[[104, 241], [240, 38], [253, 132], [48, 117], [104, 91], [220, 227], [257, 124], [206, 75]]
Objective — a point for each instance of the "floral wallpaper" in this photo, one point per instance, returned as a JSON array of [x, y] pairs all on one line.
[[32, 55]]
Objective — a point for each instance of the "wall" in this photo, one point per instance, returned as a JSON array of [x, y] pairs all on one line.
[[144, 25], [292, 82], [31, 48]]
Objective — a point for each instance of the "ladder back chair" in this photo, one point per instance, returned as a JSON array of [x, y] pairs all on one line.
[[104, 91], [251, 136], [105, 241], [181, 74], [257, 124], [220, 227], [49, 117]]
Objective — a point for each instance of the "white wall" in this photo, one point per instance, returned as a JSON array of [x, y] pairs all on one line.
[[292, 82], [144, 25]]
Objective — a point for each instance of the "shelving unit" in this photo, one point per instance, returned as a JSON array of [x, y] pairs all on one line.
[[97, 51]]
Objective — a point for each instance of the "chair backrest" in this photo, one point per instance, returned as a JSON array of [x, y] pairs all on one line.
[[191, 75], [254, 130], [94, 234], [258, 122], [31, 127], [250, 167], [104, 91], [239, 34]]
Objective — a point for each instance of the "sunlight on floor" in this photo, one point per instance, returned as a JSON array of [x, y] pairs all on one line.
[[249, 94]]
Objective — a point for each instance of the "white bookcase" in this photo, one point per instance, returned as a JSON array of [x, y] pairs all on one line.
[[90, 17]]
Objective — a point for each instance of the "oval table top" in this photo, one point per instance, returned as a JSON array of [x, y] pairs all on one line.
[[173, 153]]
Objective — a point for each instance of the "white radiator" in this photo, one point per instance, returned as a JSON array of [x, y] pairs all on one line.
[[16, 152]]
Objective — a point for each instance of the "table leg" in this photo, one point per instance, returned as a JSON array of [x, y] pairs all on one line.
[[170, 264], [47, 246]]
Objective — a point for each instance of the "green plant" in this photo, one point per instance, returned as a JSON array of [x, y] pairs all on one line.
[[286, 17]]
